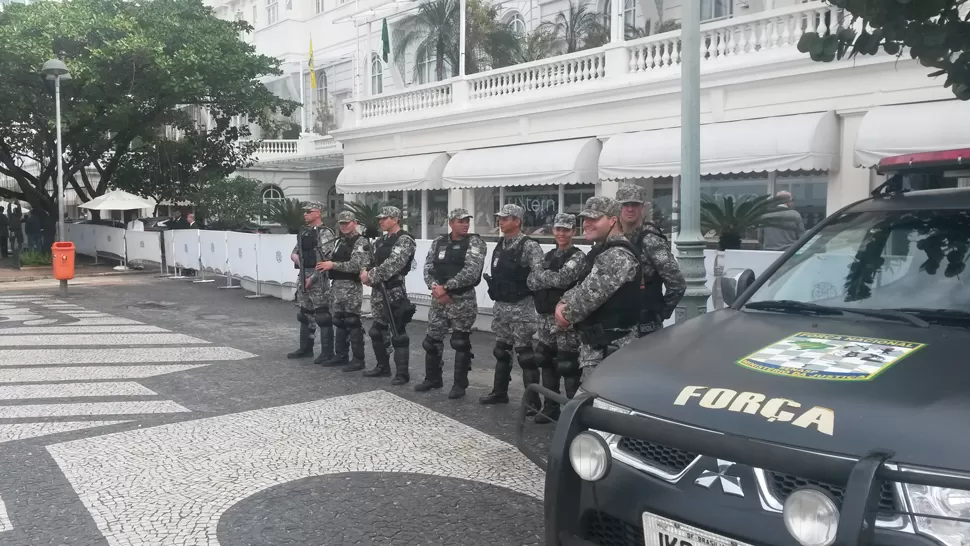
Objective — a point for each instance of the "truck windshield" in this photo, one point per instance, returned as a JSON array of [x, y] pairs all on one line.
[[913, 259]]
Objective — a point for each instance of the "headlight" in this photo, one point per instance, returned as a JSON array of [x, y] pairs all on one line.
[[590, 456], [941, 501], [599, 403], [811, 517]]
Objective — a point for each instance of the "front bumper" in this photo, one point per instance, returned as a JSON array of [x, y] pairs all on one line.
[[609, 512]]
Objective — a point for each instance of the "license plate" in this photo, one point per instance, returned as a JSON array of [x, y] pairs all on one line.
[[660, 531]]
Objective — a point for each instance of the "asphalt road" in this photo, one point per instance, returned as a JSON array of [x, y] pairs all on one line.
[[139, 410]]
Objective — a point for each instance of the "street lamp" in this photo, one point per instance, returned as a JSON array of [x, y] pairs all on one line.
[[56, 70]]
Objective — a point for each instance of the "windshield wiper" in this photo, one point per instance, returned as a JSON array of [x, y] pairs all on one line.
[[800, 306], [939, 314], [792, 305]]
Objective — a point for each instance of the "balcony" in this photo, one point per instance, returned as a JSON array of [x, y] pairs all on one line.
[[311, 152]]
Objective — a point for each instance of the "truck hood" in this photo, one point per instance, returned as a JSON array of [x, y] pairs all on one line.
[[788, 379]]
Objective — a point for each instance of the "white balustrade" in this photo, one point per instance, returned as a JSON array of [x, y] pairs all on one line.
[[267, 148], [558, 72], [409, 100]]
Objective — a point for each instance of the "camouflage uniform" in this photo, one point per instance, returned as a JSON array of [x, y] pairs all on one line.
[[349, 255], [558, 273], [457, 266], [660, 267], [391, 261], [603, 306], [314, 303], [514, 320]]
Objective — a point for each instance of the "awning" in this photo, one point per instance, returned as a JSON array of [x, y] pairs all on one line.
[[912, 128], [410, 172], [539, 164], [785, 143]]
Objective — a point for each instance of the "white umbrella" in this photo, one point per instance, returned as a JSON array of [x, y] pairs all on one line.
[[118, 200]]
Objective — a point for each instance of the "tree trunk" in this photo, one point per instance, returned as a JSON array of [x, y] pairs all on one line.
[[50, 232]]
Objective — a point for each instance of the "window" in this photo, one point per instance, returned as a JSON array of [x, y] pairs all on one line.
[[810, 192], [319, 6], [255, 12], [427, 70], [541, 204], [272, 193], [716, 9], [517, 22], [335, 201], [376, 75], [272, 11], [629, 13]]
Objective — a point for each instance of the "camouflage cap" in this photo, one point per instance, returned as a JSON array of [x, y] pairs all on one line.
[[390, 212], [600, 206], [630, 193], [509, 209], [458, 214], [345, 217], [313, 205], [564, 220]]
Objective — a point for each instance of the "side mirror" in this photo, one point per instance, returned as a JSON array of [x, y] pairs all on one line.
[[734, 282]]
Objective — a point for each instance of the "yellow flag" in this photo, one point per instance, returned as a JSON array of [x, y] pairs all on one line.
[[313, 74]]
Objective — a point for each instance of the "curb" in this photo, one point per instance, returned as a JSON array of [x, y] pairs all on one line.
[[78, 276]]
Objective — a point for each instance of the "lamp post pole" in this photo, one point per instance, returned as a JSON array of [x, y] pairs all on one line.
[[690, 241], [55, 69]]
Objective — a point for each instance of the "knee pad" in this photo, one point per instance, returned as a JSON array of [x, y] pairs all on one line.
[[338, 319], [302, 316], [526, 357], [352, 321], [460, 342], [502, 351], [567, 364], [431, 346], [323, 317], [400, 341], [376, 333], [545, 356]]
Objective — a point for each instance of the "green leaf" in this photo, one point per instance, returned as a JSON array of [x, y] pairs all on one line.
[[808, 42], [892, 48]]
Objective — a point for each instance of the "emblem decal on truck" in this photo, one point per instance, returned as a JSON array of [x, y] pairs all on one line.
[[829, 357], [754, 403], [731, 485]]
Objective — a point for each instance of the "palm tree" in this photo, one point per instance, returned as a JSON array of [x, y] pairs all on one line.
[[732, 218], [536, 45], [366, 216], [434, 32], [285, 212], [578, 28]]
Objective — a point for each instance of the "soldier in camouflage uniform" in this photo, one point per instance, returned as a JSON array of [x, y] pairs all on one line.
[[452, 270], [603, 307], [660, 267], [560, 271], [346, 256], [514, 322], [313, 293], [391, 261]]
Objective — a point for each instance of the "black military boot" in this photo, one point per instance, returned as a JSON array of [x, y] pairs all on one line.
[[340, 345], [402, 358], [306, 343], [325, 327], [432, 365], [550, 409], [356, 343], [568, 368], [530, 376], [503, 375], [379, 343], [461, 343]]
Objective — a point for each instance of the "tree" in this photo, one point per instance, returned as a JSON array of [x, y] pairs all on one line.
[[288, 213], [137, 68], [578, 28], [431, 31], [933, 31], [732, 218], [228, 203]]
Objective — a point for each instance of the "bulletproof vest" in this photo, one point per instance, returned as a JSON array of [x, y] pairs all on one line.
[[383, 251], [547, 298], [621, 311], [449, 259], [344, 250], [651, 288], [509, 274], [308, 247]]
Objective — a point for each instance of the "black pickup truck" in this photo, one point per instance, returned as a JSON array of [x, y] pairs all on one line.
[[827, 404]]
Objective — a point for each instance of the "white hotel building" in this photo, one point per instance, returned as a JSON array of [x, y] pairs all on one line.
[[550, 133]]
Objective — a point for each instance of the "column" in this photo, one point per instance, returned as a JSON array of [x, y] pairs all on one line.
[[849, 183]]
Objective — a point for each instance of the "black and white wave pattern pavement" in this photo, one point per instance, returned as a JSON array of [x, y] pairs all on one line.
[[65, 368]]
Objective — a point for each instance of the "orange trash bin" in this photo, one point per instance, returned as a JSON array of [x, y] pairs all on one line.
[[63, 254]]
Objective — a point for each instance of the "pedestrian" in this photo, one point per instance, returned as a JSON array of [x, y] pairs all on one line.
[[452, 270], [347, 256], [393, 258], [557, 349], [603, 307], [514, 320], [660, 268], [312, 287], [34, 228], [4, 235], [16, 228], [785, 225]]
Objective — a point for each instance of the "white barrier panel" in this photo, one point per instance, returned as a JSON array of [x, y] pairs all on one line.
[[214, 252], [168, 248], [82, 235], [242, 254], [187, 249], [144, 246], [110, 242], [275, 265]]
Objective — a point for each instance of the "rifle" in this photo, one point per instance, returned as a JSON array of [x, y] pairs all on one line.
[[299, 253], [390, 312]]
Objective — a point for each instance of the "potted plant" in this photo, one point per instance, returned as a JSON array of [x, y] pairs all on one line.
[[732, 218]]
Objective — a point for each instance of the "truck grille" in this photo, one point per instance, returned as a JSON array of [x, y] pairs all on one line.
[[603, 529], [668, 459], [782, 485]]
